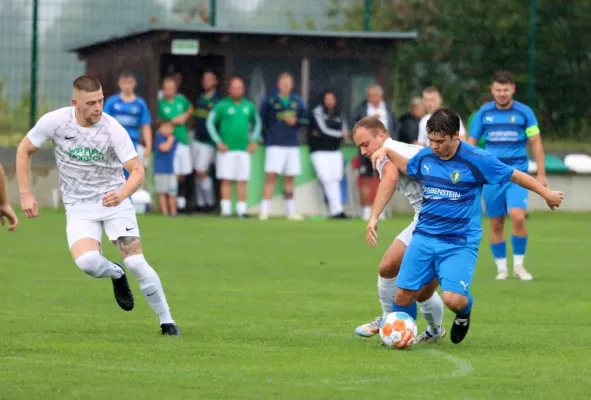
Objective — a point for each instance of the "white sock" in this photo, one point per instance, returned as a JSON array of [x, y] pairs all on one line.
[[241, 208], [265, 207], [207, 187], [94, 264], [332, 190], [290, 206], [386, 293], [366, 212], [181, 202], [199, 194], [432, 310], [517, 261], [226, 206], [150, 286], [501, 264]]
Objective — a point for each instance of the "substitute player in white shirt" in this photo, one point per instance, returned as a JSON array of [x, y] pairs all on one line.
[[370, 134], [91, 149], [432, 101]]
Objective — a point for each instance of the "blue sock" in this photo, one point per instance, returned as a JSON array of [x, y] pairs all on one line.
[[519, 245], [499, 250], [410, 310], [466, 311]]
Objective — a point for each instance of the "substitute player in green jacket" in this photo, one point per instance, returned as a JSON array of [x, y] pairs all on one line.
[[229, 124]]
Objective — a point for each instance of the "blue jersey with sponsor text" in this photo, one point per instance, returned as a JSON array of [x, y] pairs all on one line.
[[131, 115], [506, 132], [452, 190]]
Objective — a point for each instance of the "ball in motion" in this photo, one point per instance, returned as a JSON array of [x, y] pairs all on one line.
[[398, 330]]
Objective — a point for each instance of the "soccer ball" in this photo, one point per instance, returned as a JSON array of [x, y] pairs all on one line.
[[398, 330]]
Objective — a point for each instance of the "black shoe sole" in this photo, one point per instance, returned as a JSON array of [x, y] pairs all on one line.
[[122, 293]]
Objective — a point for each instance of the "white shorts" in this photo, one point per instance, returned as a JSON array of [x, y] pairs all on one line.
[[283, 161], [183, 165], [406, 235], [203, 156], [87, 220], [233, 165], [328, 165]]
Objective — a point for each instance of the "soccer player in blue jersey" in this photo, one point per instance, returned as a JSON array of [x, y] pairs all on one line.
[[507, 126], [448, 233], [132, 112]]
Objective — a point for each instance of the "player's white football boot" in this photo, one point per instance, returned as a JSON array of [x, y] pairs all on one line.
[[502, 275], [522, 274], [427, 337], [370, 329]]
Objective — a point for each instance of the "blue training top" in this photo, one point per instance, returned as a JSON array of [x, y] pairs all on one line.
[[131, 115], [452, 189], [506, 132]]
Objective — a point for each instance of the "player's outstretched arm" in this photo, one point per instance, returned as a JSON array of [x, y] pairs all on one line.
[[399, 161], [553, 198], [23, 172], [386, 189]]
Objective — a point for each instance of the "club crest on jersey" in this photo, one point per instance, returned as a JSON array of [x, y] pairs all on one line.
[[455, 176], [512, 119]]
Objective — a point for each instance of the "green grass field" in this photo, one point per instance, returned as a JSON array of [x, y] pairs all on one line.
[[267, 310]]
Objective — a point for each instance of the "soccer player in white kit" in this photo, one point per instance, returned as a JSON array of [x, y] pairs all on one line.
[[370, 134], [90, 148]]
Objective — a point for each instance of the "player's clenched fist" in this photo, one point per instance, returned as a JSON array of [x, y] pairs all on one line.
[[112, 199], [553, 199], [29, 205]]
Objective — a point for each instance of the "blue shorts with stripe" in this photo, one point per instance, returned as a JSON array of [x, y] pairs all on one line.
[[499, 199], [452, 262]]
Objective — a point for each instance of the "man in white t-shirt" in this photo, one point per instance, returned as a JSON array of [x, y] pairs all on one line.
[[370, 134], [432, 100], [91, 149]]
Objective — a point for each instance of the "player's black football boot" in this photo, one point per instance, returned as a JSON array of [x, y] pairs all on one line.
[[170, 329], [122, 292], [459, 328]]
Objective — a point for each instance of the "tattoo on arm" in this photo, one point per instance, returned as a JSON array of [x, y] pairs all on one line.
[[129, 245]]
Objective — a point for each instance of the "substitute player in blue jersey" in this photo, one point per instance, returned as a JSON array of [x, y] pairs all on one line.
[[447, 235], [507, 126], [132, 112]]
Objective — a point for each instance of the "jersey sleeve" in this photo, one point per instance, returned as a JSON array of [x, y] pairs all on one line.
[[531, 127], [160, 114], [121, 142], [476, 126], [255, 119], [492, 169], [145, 117], [43, 131], [413, 168], [212, 120], [302, 114], [186, 103]]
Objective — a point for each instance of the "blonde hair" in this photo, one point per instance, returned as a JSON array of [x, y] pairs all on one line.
[[372, 124]]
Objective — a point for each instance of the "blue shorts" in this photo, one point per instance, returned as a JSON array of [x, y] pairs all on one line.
[[499, 199], [453, 264]]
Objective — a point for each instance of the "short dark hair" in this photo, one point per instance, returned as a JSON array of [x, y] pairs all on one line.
[[126, 74], [431, 89], [444, 121], [503, 77], [87, 83], [372, 124]]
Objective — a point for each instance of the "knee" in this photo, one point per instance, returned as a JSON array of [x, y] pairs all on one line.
[[404, 297], [388, 269], [270, 178], [497, 225], [454, 301], [90, 262], [517, 217]]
